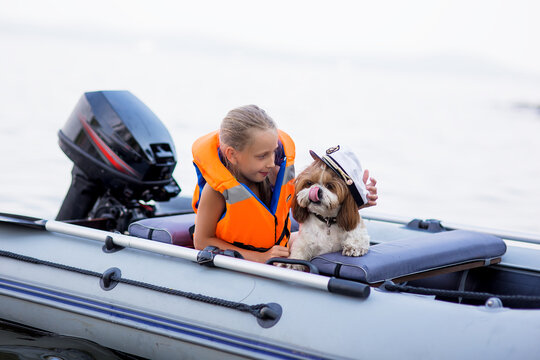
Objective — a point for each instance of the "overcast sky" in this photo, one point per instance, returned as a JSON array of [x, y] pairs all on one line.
[[503, 32]]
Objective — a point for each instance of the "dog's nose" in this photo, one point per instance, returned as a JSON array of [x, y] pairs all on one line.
[[315, 194]]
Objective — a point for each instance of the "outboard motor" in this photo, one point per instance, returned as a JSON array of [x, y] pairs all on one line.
[[123, 159]]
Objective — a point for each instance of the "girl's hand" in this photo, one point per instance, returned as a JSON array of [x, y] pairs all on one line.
[[372, 189], [275, 251]]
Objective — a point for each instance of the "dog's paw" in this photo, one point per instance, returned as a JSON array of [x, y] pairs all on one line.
[[293, 267], [299, 268], [354, 250]]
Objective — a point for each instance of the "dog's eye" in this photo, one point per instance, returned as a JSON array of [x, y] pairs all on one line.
[[329, 186], [309, 183]]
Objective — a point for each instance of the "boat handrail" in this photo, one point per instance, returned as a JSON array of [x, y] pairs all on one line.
[[334, 285], [504, 234]]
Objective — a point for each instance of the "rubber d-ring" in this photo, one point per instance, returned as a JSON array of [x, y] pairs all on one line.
[[106, 282], [271, 315]]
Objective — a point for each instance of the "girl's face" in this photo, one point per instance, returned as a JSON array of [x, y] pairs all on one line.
[[256, 160]]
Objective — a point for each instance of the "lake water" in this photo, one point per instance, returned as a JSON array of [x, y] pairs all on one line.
[[24, 343], [447, 137]]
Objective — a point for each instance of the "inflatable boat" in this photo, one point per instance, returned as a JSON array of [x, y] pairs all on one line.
[[118, 268], [158, 300]]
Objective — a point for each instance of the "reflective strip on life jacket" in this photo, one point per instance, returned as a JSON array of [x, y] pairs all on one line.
[[289, 174], [236, 194]]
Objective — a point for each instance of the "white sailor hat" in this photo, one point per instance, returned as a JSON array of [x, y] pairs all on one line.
[[344, 162]]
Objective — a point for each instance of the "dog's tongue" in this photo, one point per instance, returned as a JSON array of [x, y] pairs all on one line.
[[314, 194]]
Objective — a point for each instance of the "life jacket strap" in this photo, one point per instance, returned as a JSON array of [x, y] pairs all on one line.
[[285, 232]]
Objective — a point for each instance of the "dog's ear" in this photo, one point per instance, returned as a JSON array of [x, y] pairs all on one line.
[[348, 216], [299, 213]]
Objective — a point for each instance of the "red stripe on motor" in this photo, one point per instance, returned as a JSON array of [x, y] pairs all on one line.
[[114, 159]]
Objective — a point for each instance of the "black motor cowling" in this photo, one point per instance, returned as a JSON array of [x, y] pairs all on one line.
[[123, 156]]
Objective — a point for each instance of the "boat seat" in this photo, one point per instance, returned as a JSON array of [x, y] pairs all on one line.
[[175, 229], [415, 257]]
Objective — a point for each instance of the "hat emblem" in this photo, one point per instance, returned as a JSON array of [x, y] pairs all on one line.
[[332, 150]]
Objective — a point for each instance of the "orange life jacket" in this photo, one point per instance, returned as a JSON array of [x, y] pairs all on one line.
[[247, 222]]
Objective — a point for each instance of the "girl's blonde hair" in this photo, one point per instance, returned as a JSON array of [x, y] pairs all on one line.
[[236, 131], [236, 127]]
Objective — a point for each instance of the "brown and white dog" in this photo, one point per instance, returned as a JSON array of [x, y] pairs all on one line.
[[327, 197]]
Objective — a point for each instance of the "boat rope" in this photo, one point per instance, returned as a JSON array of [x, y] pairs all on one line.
[[472, 295], [260, 311]]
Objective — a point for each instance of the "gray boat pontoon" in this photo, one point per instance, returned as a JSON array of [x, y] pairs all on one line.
[[154, 300]]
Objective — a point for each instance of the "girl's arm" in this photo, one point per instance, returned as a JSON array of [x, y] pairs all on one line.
[[211, 207]]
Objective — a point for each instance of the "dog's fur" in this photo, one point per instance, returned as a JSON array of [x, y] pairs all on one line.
[[316, 237]]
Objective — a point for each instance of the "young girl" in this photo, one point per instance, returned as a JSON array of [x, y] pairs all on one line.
[[245, 186]]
